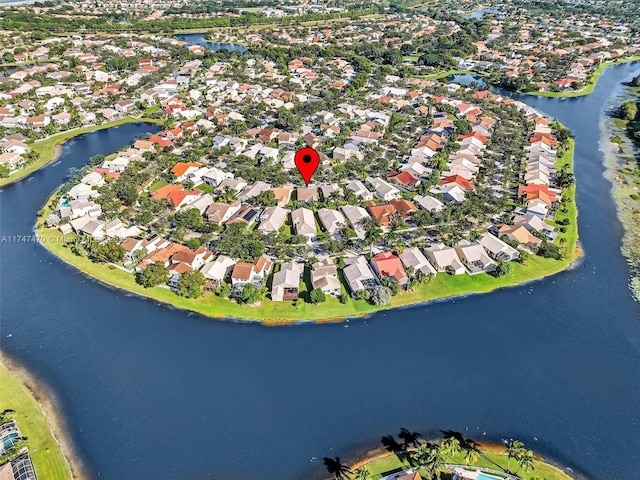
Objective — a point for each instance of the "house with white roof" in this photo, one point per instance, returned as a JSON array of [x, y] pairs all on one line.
[[304, 222], [359, 275], [444, 259]]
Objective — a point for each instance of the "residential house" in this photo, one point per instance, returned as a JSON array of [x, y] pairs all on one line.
[[386, 264], [358, 274], [218, 270], [498, 249], [414, 258], [324, 275], [331, 220], [360, 191], [272, 219], [304, 222], [286, 282], [254, 273], [382, 189], [445, 259], [356, 216], [474, 257], [519, 234]]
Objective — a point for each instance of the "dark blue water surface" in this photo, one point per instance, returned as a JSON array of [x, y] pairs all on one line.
[[201, 39], [155, 393]]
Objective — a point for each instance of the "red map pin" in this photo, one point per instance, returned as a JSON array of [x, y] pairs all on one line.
[[307, 161]]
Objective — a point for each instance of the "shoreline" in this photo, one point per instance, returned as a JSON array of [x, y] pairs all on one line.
[[48, 405], [620, 190], [370, 456], [572, 263], [442, 288], [50, 148]]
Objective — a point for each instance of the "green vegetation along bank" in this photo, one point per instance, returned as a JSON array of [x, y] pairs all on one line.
[[621, 146], [274, 313], [47, 149], [35, 416]]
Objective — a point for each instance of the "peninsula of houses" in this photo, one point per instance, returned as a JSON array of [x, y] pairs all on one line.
[[426, 188]]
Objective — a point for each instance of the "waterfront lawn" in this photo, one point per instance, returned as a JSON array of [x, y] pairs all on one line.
[[46, 148], [388, 464], [270, 312], [588, 89], [569, 239], [47, 457]]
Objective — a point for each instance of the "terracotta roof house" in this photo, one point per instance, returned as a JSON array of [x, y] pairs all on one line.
[[384, 213], [405, 207], [181, 170], [386, 264], [457, 179], [255, 272], [520, 234], [404, 180], [178, 198], [162, 192]]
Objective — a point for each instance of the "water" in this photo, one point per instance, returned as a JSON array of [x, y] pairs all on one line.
[[201, 39], [478, 14], [467, 79], [153, 392]]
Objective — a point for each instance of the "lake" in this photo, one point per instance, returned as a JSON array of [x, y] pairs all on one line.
[[201, 39], [154, 392]]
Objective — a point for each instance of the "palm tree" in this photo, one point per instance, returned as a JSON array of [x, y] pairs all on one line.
[[450, 448], [471, 457], [336, 468], [514, 450], [373, 232], [362, 474], [525, 460], [469, 444]]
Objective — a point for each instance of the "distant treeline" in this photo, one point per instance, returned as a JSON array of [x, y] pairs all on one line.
[[28, 21]]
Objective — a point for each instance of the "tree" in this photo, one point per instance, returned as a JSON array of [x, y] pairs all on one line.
[[450, 448], [4, 171], [266, 199], [363, 294], [154, 274], [514, 449], [223, 290], [525, 460], [502, 269], [471, 457], [336, 468], [238, 242], [317, 296], [373, 232], [190, 284], [627, 111], [251, 294], [362, 474], [381, 295]]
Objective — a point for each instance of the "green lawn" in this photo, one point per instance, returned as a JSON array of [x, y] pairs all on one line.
[[157, 184], [439, 75], [46, 147], [443, 285], [390, 463], [592, 84], [45, 453]]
